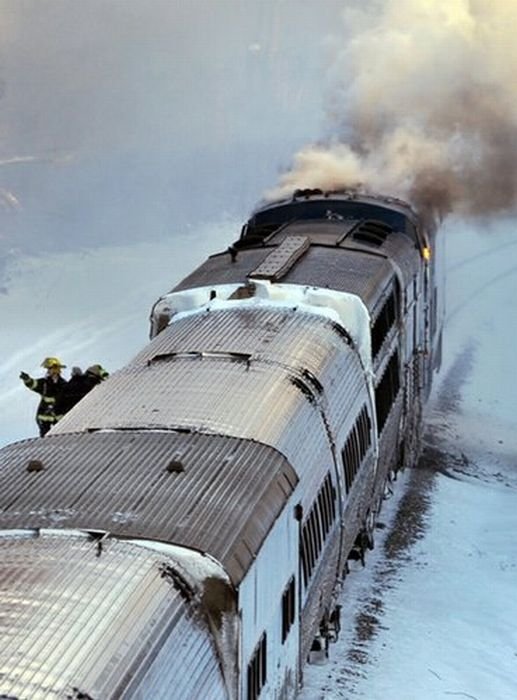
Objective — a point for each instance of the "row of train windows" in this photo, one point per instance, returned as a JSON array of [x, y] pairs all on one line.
[[356, 446], [257, 667], [387, 390], [384, 322], [317, 527]]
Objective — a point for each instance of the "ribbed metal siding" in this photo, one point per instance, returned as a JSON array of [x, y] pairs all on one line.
[[337, 268], [225, 502], [298, 340], [212, 395], [405, 255], [219, 269], [295, 339], [74, 622], [257, 400]]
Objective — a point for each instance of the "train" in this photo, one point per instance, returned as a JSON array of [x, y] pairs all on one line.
[[184, 531]]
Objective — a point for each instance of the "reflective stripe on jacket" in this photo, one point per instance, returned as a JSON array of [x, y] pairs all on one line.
[[49, 390]]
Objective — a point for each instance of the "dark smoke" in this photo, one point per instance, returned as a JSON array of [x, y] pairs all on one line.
[[424, 107]]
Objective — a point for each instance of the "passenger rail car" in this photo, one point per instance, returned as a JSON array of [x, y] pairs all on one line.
[[184, 531]]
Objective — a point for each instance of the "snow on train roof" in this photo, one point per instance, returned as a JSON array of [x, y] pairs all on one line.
[[343, 308]]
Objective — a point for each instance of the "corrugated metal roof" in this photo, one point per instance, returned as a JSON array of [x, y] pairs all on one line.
[[74, 623], [267, 376], [285, 336], [224, 502]]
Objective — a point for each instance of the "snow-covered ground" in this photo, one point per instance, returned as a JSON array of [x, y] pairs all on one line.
[[434, 613]]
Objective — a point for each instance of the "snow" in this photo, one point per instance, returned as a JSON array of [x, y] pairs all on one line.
[[341, 307]]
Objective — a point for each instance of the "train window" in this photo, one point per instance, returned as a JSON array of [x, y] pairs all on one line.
[[308, 548], [288, 608], [320, 523], [387, 390], [346, 461], [324, 512], [367, 429], [305, 557], [313, 530], [257, 669], [356, 447], [384, 322], [332, 498], [363, 433], [317, 527], [313, 539], [434, 314]]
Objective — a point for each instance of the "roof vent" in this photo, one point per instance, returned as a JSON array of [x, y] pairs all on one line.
[[175, 466], [35, 465], [372, 232]]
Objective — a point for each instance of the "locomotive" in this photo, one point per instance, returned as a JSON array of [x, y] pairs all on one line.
[[184, 531]]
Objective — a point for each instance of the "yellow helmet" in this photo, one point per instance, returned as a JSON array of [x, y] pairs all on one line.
[[50, 362]]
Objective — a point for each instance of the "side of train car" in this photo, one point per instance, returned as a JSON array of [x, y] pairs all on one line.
[[183, 532]]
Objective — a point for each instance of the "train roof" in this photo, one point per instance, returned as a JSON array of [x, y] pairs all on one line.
[[183, 446], [356, 256], [150, 484], [83, 620]]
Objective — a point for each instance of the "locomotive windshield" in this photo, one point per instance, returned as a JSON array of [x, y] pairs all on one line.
[[265, 222]]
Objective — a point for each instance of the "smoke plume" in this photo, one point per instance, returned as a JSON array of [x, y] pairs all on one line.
[[424, 107]]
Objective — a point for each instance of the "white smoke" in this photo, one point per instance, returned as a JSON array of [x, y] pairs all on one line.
[[424, 107]]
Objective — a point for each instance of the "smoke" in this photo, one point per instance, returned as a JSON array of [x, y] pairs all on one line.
[[424, 107]]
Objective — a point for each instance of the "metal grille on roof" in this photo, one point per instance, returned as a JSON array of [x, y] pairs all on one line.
[[281, 259], [330, 232]]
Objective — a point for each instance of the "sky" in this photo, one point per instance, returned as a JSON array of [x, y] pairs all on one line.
[[131, 121], [135, 137]]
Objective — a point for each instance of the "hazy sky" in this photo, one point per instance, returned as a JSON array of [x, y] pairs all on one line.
[[131, 119]]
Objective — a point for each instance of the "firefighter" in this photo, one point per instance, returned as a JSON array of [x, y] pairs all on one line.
[[95, 375], [73, 391], [49, 388], [78, 386]]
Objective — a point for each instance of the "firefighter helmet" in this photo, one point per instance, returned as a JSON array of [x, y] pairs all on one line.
[[98, 371], [50, 362]]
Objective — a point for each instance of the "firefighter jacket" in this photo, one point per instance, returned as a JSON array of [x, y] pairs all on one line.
[[49, 390], [73, 391]]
